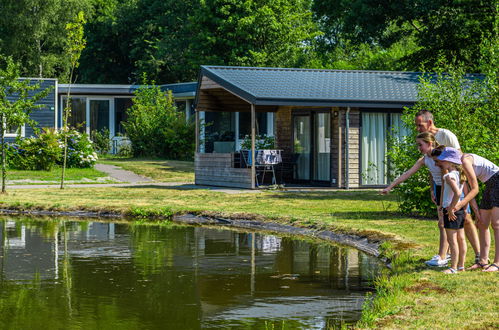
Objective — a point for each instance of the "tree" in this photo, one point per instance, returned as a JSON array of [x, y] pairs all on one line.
[[449, 30], [465, 104], [18, 98], [75, 45], [156, 128], [251, 33], [33, 34], [168, 40]]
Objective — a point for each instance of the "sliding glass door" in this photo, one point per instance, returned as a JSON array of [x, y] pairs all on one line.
[[322, 147], [312, 147], [302, 147], [99, 115]]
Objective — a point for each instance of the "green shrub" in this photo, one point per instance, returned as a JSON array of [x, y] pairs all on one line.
[[156, 128], [465, 105], [101, 140], [44, 151], [81, 152], [36, 153]]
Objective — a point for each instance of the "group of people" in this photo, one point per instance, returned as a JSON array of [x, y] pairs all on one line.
[[454, 184]]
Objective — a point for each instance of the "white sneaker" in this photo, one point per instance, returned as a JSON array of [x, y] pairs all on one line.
[[437, 262]]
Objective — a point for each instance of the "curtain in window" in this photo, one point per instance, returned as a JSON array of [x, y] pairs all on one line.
[[374, 136], [398, 126]]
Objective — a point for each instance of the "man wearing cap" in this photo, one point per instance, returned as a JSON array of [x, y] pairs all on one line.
[[424, 123]]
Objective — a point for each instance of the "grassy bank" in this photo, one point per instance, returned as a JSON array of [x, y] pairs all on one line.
[[73, 175], [157, 169], [410, 296]]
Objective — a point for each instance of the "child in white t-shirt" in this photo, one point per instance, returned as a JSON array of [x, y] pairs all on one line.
[[450, 160]]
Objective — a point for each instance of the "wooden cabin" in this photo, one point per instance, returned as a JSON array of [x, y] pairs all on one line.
[[331, 125]]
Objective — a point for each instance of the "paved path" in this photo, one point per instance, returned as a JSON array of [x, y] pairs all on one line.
[[120, 174]]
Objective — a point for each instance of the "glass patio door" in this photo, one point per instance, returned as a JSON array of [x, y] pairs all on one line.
[[322, 147], [99, 115], [302, 147]]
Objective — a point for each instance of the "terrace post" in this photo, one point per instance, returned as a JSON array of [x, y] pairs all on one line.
[[196, 118], [253, 158]]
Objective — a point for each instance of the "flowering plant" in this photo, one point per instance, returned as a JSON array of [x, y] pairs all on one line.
[[80, 150]]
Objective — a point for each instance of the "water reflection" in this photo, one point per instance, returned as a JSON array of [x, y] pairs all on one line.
[[99, 274]]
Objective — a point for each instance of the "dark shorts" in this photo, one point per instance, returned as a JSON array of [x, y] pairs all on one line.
[[436, 191], [490, 196], [456, 224]]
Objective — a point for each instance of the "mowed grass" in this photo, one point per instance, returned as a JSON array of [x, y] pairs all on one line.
[[410, 295], [157, 169], [75, 175]]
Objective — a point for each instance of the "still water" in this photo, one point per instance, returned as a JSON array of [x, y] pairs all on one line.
[[61, 274]]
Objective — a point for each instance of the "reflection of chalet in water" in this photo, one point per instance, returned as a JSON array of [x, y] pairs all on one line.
[[211, 275], [20, 241]]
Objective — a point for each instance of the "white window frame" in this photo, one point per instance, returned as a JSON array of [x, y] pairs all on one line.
[[88, 99], [7, 134]]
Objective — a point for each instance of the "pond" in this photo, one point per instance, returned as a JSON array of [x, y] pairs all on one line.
[[61, 274]]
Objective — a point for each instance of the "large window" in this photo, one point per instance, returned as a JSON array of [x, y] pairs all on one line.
[[121, 106], [99, 115], [77, 116], [245, 124], [375, 130]]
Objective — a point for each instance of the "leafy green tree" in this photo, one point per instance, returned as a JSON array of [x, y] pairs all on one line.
[[465, 104], [156, 128], [135, 37], [18, 98], [252, 33], [75, 45], [32, 32], [449, 30]]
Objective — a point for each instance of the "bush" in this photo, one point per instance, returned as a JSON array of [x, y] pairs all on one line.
[[35, 153], [466, 105], [81, 152], [156, 128], [46, 150], [101, 140]]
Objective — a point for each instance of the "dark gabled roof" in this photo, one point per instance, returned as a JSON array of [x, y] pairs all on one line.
[[309, 87]]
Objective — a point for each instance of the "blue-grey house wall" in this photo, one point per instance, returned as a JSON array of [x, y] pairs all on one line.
[[45, 115]]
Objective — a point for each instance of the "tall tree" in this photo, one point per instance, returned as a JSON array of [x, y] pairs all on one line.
[[169, 40], [444, 30], [75, 45], [252, 33], [18, 98], [32, 32]]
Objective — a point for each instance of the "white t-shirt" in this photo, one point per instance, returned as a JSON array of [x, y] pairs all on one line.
[[484, 168], [448, 193], [435, 171], [447, 138]]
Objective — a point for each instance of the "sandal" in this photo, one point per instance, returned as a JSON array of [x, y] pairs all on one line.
[[477, 265], [490, 266], [460, 269], [450, 271]]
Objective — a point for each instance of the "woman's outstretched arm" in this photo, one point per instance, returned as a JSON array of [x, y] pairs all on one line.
[[405, 176]]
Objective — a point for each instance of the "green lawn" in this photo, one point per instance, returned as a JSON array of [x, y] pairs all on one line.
[[409, 296], [72, 175], [157, 169]]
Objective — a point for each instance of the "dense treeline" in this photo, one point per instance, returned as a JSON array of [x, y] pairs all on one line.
[[168, 39]]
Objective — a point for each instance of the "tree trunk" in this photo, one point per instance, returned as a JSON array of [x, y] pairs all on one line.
[[4, 167]]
